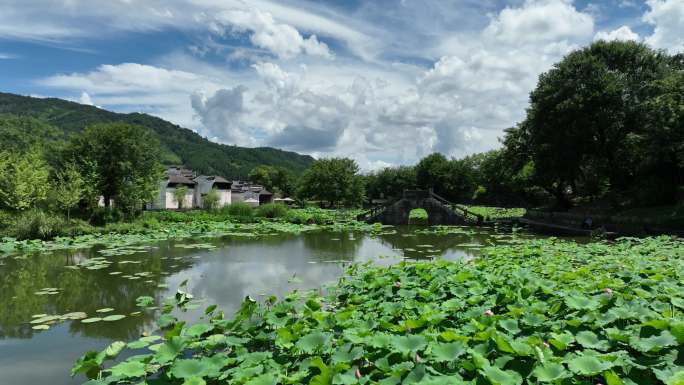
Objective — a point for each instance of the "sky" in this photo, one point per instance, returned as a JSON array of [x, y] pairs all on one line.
[[385, 82]]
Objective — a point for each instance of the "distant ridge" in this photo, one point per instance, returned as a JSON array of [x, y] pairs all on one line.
[[181, 145]]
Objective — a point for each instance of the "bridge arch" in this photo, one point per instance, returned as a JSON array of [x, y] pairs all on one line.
[[440, 211]]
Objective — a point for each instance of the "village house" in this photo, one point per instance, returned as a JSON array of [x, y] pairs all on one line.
[[205, 184], [176, 177], [252, 194], [199, 186]]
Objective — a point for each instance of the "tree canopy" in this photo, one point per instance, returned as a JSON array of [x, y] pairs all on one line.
[[123, 160], [333, 180]]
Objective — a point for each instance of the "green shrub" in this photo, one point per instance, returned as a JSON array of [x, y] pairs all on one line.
[[102, 216], [36, 224], [418, 217], [297, 217], [272, 210], [75, 227], [167, 216], [238, 209], [6, 221]]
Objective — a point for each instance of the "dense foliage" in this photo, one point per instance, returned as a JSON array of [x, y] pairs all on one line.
[[274, 178], [333, 181], [533, 312], [606, 121], [121, 160], [179, 145]]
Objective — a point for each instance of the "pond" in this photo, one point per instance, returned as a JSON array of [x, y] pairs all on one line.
[[219, 271]]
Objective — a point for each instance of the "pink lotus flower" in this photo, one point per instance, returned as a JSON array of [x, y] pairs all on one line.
[[358, 373], [397, 284], [488, 313], [417, 359], [546, 344], [608, 291]]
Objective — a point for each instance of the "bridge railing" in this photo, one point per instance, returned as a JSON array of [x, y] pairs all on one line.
[[373, 211], [458, 208]]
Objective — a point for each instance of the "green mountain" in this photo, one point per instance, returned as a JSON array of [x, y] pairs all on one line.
[[27, 119]]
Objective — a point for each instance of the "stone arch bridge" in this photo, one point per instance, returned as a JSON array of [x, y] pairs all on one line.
[[439, 210]]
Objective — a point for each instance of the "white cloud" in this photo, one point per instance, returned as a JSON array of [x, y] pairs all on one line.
[[540, 20], [281, 39], [7, 56], [623, 33], [137, 87], [85, 99], [667, 18], [126, 77]]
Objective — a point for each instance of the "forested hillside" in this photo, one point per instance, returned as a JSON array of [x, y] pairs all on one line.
[[24, 120]]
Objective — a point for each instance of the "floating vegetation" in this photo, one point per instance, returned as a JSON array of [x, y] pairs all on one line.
[[113, 317], [105, 310], [47, 291], [195, 246], [44, 321], [544, 311]]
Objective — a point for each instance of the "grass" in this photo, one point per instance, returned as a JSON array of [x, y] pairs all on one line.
[[541, 311], [490, 213], [418, 217]]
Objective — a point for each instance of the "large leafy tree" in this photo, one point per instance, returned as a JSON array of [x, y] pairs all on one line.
[[123, 161], [333, 180], [432, 172], [23, 179], [585, 114], [390, 182], [274, 178]]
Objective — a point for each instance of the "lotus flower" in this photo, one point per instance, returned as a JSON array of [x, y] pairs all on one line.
[[358, 373], [608, 291], [546, 344], [397, 284], [488, 313], [417, 359]]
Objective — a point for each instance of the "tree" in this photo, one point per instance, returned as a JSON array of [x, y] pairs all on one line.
[[431, 172], [123, 159], [179, 194], [23, 179], [211, 199], [390, 182], [585, 114], [333, 180], [274, 178], [69, 188]]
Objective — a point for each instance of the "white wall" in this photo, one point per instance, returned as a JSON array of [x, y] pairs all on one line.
[[224, 198], [170, 201]]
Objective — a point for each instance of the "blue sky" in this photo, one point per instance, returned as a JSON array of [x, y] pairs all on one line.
[[385, 82]]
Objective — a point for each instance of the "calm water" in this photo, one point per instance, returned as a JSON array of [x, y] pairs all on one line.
[[237, 267]]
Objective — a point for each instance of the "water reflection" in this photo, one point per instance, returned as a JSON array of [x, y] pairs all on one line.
[[237, 267]]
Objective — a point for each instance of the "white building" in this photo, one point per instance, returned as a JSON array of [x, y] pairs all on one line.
[[197, 188], [204, 185]]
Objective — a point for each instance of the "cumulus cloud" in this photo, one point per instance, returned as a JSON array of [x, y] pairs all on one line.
[[85, 99], [623, 33], [125, 77], [281, 39], [136, 87], [667, 18], [540, 20], [221, 114]]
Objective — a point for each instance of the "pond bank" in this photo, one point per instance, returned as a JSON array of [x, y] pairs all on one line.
[[619, 224]]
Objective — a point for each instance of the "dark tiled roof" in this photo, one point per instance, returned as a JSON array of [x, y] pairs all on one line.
[[179, 179]]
